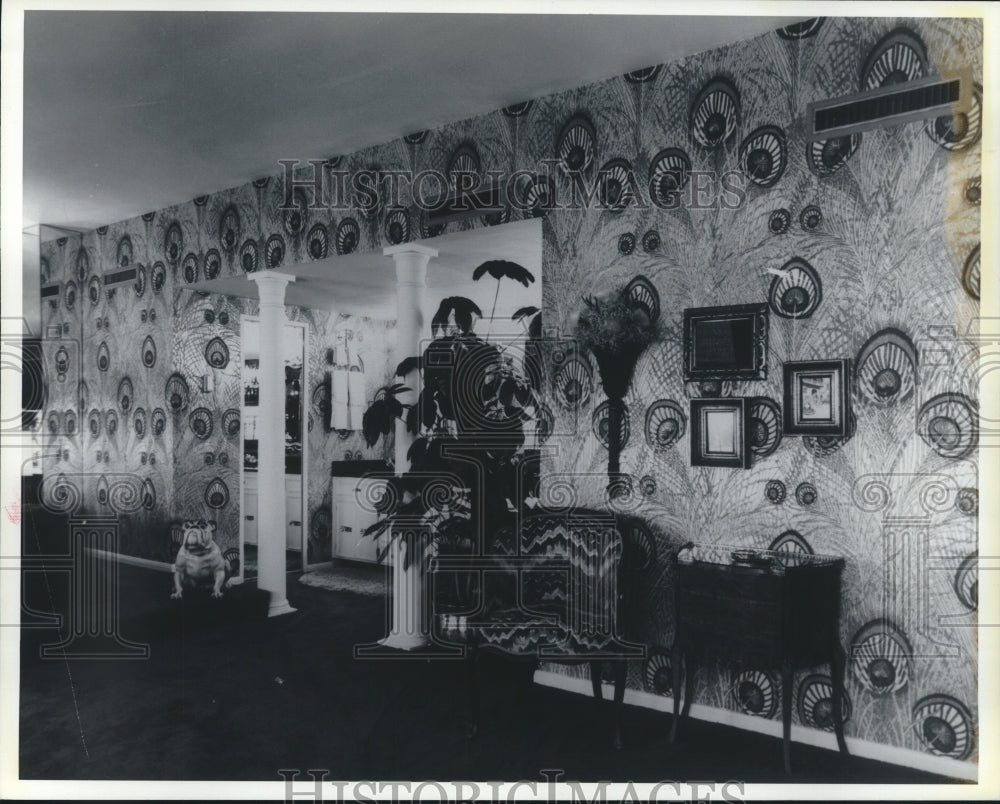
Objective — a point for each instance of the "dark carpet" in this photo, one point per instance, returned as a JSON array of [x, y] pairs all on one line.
[[240, 701]]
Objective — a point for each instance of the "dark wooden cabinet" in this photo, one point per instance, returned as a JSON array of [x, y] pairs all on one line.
[[763, 609]]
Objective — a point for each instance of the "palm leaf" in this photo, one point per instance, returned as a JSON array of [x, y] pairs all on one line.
[[377, 528], [535, 327], [377, 420], [463, 310], [499, 269], [413, 419], [395, 408], [418, 453], [427, 409], [440, 319], [407, 365]]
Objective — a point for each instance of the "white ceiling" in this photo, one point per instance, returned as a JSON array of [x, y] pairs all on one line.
[[127, 112], [365, 284]]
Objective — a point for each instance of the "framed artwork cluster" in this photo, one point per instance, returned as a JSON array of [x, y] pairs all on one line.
[[730, 343]]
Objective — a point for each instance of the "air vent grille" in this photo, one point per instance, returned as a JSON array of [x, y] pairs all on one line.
[[900, 103], [116, 278]]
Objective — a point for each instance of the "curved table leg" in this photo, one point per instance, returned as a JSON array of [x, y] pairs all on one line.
[[837, 663], [472, 680], [689, 671], [595, 679], [676, 657], [786, 715], [621, 672]]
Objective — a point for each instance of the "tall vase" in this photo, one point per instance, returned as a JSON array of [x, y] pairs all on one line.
[[634, 329], [616, 414], [616, 367]]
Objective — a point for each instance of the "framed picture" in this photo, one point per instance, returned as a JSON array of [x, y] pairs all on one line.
[[719, 434], [817, 399], [726, 342]]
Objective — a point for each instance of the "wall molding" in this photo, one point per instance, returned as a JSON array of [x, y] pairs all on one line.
[[906, 757]]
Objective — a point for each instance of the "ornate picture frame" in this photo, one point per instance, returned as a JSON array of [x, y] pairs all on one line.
[[728, 343], [719, 433], [817, 397]]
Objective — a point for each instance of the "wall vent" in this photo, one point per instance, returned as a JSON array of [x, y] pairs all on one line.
[[920, 99], [48, 291], [128, 275]]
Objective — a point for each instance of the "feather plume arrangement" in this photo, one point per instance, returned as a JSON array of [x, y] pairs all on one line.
[[616, 328], [615, 323]]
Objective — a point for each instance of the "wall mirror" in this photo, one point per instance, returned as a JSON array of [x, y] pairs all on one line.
[[726, 342]]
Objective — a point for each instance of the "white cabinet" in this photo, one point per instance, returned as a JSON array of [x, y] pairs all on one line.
[[293, 510], [351, 518], [250, 508]]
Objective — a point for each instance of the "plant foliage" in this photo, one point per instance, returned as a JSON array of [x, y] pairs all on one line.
[[467, 462]]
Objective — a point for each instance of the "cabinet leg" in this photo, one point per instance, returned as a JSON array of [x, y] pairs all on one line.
[[595, 680], [621, 672], [675, 661], [837, 665], [472, 681], [689, 671], [786, 716]]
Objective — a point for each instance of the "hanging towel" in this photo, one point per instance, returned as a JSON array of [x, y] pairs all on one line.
[[356, 395], [339, 412]]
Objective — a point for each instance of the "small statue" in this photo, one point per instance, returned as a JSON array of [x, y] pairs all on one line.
[[199, 561]]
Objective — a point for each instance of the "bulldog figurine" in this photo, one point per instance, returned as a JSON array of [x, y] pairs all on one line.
[[199, 561]]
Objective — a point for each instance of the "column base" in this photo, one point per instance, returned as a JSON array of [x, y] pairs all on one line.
[[408, 646], [401, 641], [279, 607]]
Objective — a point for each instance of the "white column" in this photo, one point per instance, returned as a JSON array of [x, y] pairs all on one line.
[[411, 330], [271, 516], [410, 627]]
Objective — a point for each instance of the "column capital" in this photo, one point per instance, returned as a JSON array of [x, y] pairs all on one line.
[[409, 248], [271, 285], [411, 262]]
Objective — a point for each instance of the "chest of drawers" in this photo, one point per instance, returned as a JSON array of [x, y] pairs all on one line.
[[762, 609]]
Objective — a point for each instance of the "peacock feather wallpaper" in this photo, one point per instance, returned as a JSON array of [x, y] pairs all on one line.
[[863, 248]]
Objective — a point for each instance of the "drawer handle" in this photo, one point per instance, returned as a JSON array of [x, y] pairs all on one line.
[[346, 529], [296, 522], [249, 518]]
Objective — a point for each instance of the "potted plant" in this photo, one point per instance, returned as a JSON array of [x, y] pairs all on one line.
[[616, 328], [468, 422]]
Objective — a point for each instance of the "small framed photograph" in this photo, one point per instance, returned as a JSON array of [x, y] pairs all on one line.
[[719, 434], [817, 399]]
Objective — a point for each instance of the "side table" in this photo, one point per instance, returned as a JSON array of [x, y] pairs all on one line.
[[764, 609]]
